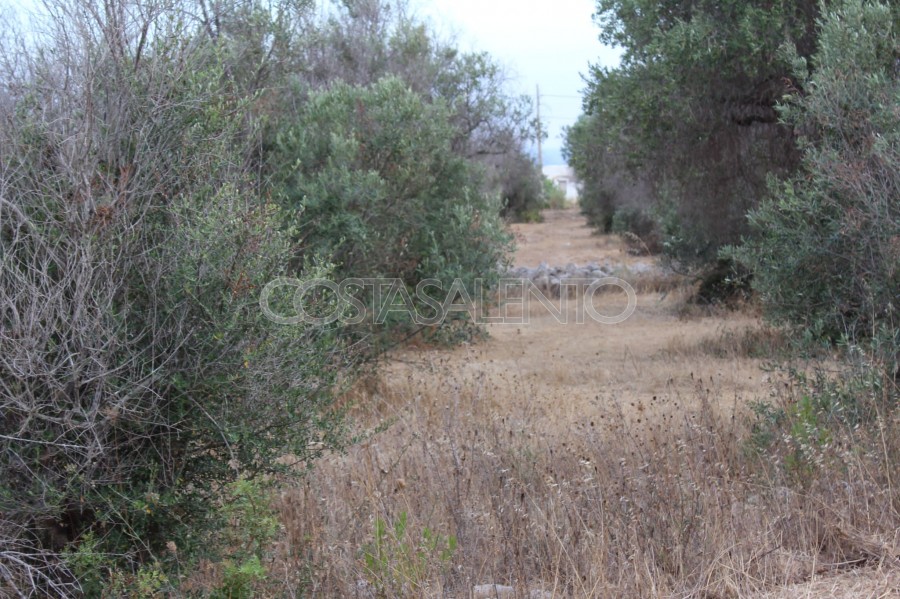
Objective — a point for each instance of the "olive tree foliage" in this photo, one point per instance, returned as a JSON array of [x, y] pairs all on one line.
[[137, 373], [691, 111], [372, 173], [610, 184], [361, 41], [825, 247]]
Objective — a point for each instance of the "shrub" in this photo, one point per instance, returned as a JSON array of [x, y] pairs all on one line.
[[250, 526], [554, 197], [830, 421], [825, 248], [363, 41], [371, 174], [633, 220], [585, 151], [824, 252], [519, 182], [138, 375], [400, 563], [609, 180]]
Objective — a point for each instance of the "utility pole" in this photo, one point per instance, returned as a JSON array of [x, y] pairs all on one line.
[[539, 132]]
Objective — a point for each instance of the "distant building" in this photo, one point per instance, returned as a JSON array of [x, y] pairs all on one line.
[[563, 176]]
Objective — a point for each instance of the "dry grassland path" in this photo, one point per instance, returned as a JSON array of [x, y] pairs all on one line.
[[650, 364], [493, 442]]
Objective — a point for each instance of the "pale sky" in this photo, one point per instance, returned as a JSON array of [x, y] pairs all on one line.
[[549, 44]]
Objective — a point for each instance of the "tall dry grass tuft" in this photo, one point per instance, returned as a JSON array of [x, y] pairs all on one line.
[[679, 505]]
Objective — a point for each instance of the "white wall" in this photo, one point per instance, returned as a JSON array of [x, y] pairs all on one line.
[[564, 176]]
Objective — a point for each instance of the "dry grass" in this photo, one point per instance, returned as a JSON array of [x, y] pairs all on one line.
[[565, 237], [752, 341], [588, 461], [610, 505]]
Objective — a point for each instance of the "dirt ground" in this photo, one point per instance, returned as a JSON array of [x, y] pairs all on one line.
[[553, 377], [453, 418], [565, 237], [660, 356]]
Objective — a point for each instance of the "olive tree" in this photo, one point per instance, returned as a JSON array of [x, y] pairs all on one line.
[[825, 247], [690, 111]]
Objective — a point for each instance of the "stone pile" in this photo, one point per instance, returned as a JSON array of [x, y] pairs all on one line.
[[553, 279]]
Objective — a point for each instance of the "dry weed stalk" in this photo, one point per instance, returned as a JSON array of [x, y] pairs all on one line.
[[674, 506]]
